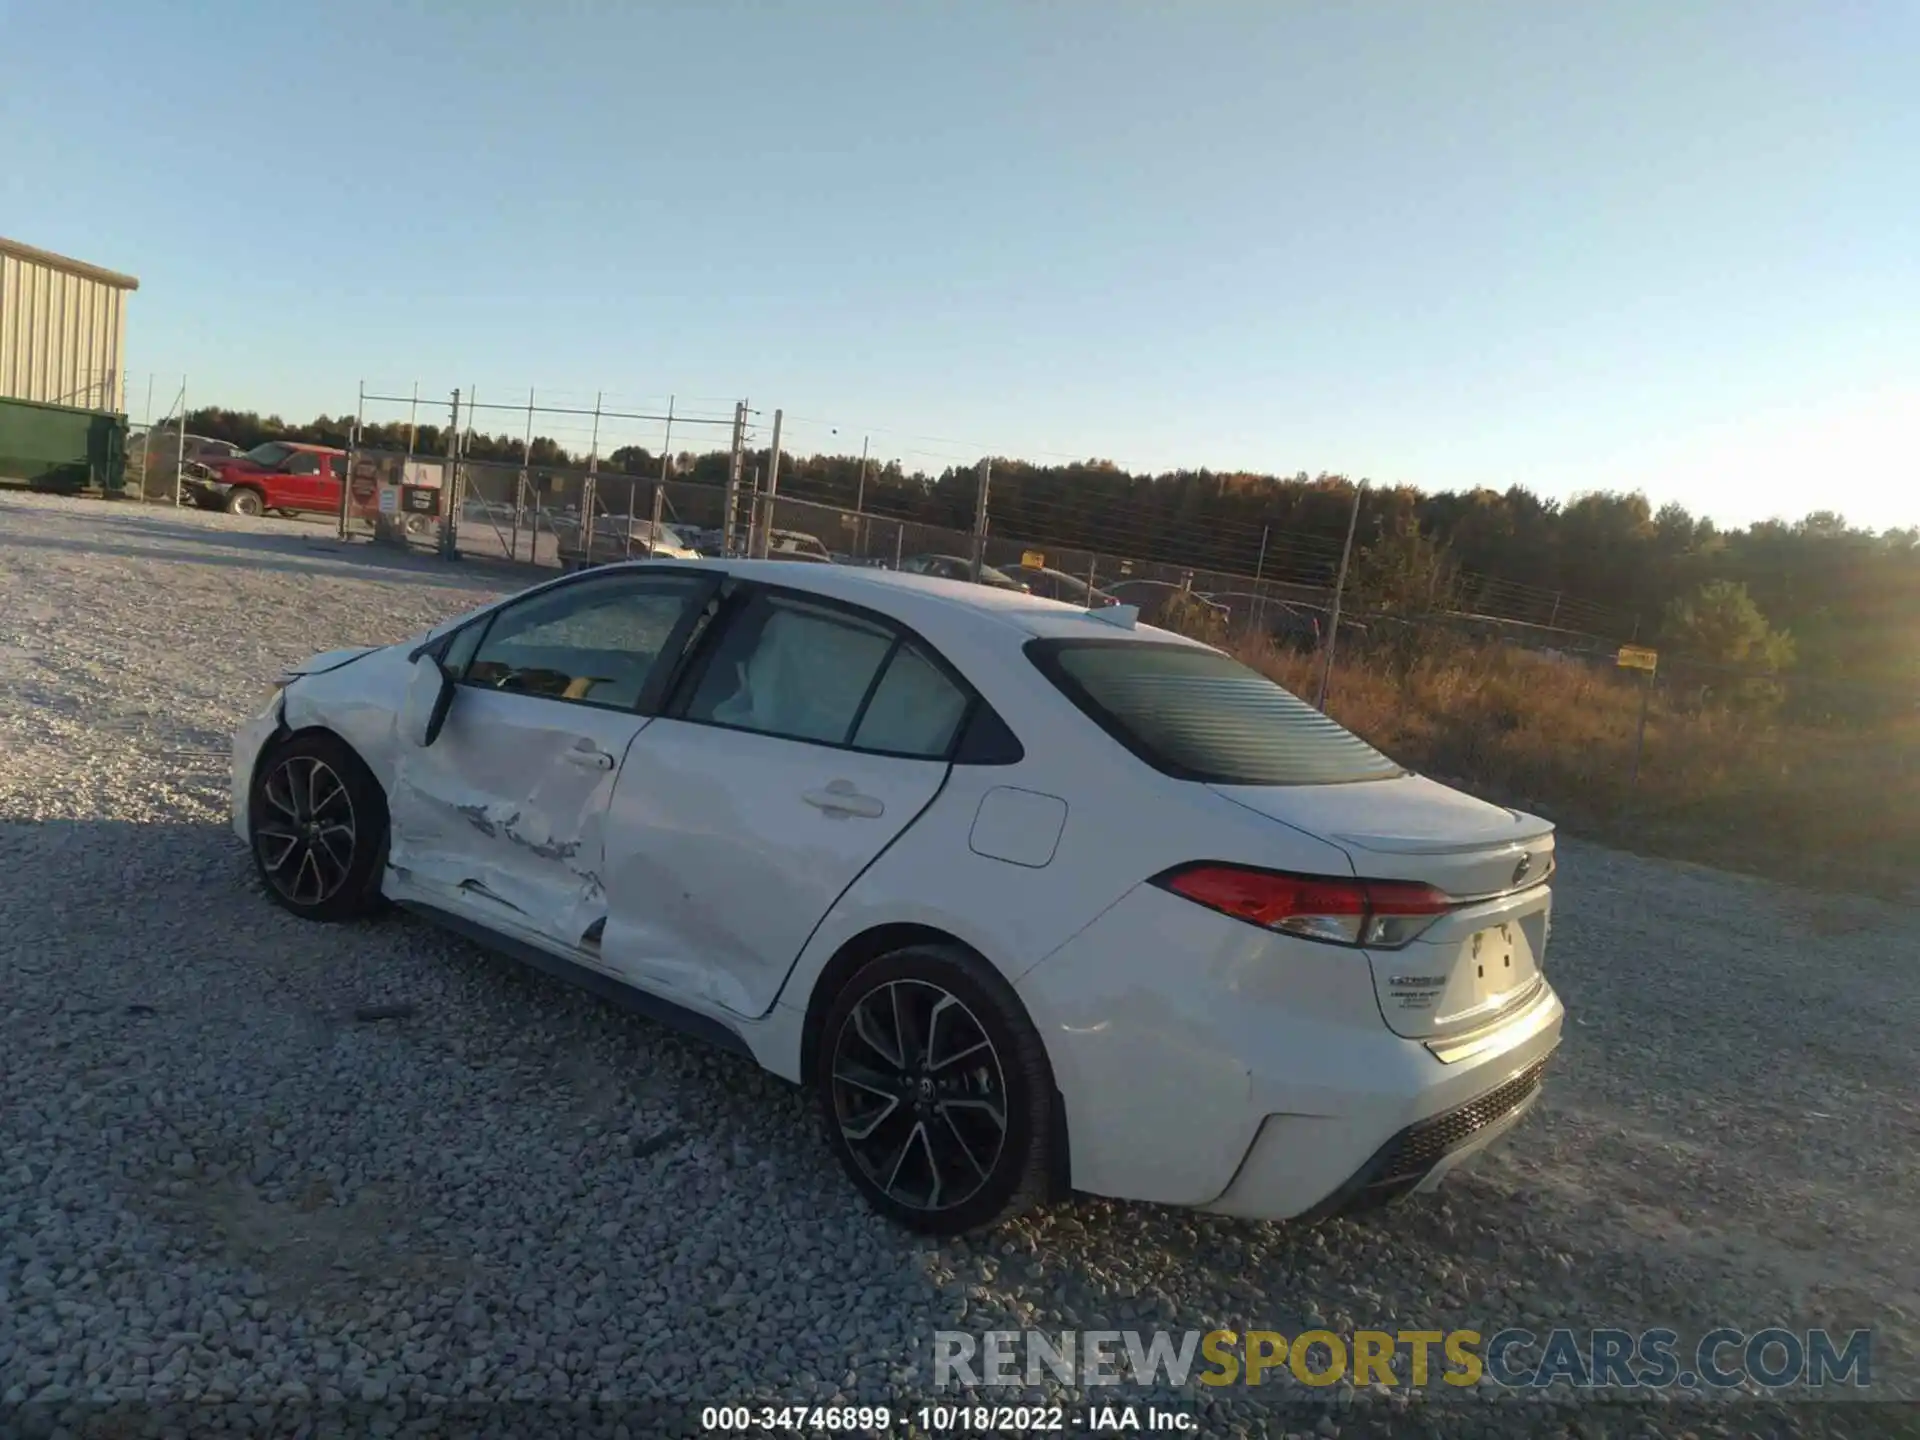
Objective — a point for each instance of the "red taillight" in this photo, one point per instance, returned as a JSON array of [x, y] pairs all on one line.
[[1384, 913]]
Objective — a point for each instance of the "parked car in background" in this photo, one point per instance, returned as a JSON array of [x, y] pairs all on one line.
[[795, 545], [287, 476], [1051, 584], [619, 537], [958, 567], [1030, 899], [200, 453], [1297, 625], [1153, 596]]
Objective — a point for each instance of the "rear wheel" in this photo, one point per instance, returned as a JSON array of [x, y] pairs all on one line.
[[245, 502], [936, 1091], [317, 820]]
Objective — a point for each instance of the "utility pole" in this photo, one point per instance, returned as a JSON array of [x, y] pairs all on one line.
[[762, 531], [980, 520], [734, 460], [1339, 590]]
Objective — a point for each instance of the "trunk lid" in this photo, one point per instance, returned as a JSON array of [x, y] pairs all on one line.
[[1481, 961]]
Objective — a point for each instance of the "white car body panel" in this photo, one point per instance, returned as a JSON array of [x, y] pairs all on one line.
[[724, 866], [1201, 1060], [508, 809]]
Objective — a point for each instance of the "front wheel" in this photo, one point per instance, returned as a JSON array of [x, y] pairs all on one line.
[[936, 1091], [245, 502], [317, 820]]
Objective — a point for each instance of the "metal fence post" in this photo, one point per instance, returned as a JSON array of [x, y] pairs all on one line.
[[859, 503], [180, 440], [1259, 568], [520, 491], [1640, 735], [666, 456], [448, 549], [980, 520], [353, 453], [1339, 590], [899, 540]]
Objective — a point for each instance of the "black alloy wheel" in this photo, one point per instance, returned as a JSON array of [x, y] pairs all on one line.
[[318, 824], [936, 1091]]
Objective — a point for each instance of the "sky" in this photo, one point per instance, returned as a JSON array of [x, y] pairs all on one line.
[[1634, 245]]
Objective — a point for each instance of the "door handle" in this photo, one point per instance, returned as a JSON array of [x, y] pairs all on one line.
[[840, 798], [588, 758]]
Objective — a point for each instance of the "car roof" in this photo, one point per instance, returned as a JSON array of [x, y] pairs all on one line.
[[930, 604]]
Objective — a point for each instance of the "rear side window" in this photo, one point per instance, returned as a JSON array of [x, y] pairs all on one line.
[[1197, 715], [792, 669], [802, 671], [914, 710]]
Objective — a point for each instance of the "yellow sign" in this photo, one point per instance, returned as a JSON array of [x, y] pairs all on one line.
[[1033, 559], [1635, 657]]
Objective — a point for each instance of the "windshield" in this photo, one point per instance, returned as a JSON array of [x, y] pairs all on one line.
[[271, 455], [1195, 714]]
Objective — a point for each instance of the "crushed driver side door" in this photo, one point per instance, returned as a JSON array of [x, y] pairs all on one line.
[[501, 818]]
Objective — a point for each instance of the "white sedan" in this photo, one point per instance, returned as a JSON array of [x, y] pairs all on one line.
[[1033, 898]]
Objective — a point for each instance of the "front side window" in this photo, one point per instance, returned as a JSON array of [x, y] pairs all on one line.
[[304, 462], [1195, 714], [596, 642], [269, 455], [338, 464]]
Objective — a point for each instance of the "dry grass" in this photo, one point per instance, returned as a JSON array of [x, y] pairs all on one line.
[[1834, 807]]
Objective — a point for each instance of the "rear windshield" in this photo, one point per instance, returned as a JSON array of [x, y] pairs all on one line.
[[1197, 715]]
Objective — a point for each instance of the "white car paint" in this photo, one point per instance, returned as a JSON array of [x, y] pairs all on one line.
[[1201, 1060]]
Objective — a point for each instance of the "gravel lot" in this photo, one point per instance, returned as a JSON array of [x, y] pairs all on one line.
[[218, 1181]]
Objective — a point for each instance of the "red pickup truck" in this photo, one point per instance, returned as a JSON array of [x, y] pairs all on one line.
[[281, 475]]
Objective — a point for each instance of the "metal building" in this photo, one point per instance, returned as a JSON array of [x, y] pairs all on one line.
[[63, 329]]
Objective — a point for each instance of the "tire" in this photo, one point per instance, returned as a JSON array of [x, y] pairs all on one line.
[[245, 502], [932, 1164], [304, 861]]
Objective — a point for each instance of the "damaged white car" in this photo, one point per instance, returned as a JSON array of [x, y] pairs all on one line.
[[1032, 897]]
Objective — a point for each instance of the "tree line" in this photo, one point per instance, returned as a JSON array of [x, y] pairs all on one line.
[[1838, 603]]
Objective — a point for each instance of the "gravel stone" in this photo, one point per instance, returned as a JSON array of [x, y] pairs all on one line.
[[210, 1186]]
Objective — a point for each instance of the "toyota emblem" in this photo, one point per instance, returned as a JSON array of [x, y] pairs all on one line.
[[1520, 870]]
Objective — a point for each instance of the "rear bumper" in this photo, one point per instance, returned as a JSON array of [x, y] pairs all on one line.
[[1205, 1063], [1421, 1155]]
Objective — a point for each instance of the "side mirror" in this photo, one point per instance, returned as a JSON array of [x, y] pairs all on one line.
[[429, 695]]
